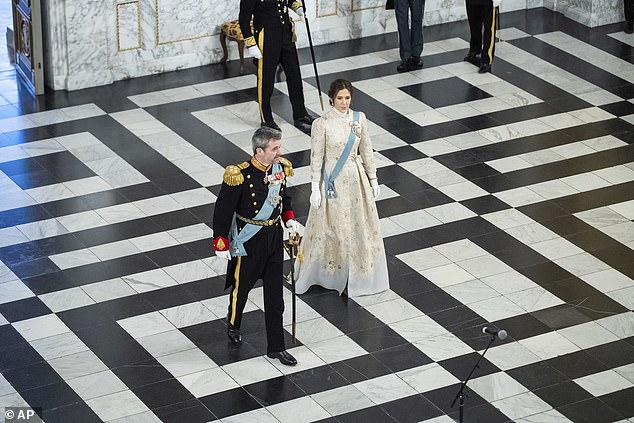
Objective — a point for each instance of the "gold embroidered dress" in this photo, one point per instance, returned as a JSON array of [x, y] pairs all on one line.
[[342, 242]]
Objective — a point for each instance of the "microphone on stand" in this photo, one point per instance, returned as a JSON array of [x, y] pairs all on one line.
[[496, 333]]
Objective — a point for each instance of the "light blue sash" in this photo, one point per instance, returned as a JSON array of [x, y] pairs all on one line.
[[329, 181], [236, 243]]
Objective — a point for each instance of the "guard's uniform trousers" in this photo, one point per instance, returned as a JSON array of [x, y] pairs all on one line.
[[481, 14], [274, 34], [243, 192]]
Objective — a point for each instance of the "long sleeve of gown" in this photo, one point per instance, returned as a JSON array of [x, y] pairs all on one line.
[[317, 149], [365, 149]]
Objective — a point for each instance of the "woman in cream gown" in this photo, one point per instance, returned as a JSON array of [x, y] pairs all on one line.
[[342, 243]]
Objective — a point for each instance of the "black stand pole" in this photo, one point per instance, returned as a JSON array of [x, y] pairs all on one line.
[[461, 395], [312, 54]]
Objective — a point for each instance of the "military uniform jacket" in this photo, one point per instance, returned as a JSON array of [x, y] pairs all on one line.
[[269, 14], [244, 191]]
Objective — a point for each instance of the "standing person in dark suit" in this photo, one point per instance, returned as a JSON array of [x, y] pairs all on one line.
[[482, 15], [410, 39], [628, 5], [272, 43], [248, 232]]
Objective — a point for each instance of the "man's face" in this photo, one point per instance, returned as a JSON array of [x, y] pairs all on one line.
[[271, 153]]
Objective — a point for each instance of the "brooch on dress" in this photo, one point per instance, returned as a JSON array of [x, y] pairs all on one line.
[[356, 128]]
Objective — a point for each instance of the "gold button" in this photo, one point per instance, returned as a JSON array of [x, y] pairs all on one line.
[[255, 203], [253, 194], [250, 185], [248, 176], [257, 211]]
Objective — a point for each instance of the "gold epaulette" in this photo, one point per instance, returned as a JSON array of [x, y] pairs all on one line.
[[233, 174], [288, 166]]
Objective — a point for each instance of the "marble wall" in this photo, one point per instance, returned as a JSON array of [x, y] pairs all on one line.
[[589, 12], [92, 42]]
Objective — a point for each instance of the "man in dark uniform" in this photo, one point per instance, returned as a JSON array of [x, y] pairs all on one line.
[[482, 14], [273, 43], [248, 232]]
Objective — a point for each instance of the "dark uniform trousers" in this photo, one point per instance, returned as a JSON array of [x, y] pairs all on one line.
[[278, 48], [264, 260], [482, 14], [273, 33]]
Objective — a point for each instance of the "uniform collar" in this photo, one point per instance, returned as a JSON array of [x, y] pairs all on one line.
[[259, 165]]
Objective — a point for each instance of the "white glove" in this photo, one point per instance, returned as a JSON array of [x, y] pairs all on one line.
[[225, 255], [315, 195], [496, 3], [254, 51], [376, 189], [300, 11], [292, 226]]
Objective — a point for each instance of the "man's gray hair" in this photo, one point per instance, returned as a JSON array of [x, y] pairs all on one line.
[[263, 135]]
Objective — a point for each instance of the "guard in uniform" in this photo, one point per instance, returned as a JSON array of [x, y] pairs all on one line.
[[272, 42], [247, 227], [481, 15]]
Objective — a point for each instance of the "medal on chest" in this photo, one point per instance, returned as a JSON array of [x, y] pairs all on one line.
[[274, 178]]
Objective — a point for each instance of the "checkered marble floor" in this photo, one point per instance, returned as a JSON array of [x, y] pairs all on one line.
[[507, 201]]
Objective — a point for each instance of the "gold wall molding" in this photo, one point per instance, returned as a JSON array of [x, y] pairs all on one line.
[[118, 27]]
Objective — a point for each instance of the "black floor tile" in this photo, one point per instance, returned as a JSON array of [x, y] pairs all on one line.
[[187, 411], [76, 412], [230, 402], [561, 316], [318, 379], [577, 364], [166, 392], [360, 368], [613, 354], [402, 357], [562, 394], [592, 410], [411, 409], [143, 373], [462, 365], [537, 375], [371, 414], [434, 301], [522, 326], [445, 92], [403, 154], [621, 401], [51, 396], [27, 308], [377, 338], [32, 376], [18, 355], [274, 391]]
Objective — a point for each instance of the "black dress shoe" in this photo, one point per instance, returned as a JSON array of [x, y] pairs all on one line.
[[304, 120], [403, 67], [272, 125], [284, 357], [629, 27], [473, 58], [234, 335], [415, 63], [484, 68]]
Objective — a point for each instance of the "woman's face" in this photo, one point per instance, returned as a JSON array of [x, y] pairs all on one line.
[[342, 99]]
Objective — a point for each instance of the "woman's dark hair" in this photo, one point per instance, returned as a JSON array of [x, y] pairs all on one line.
[[338, 85]]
